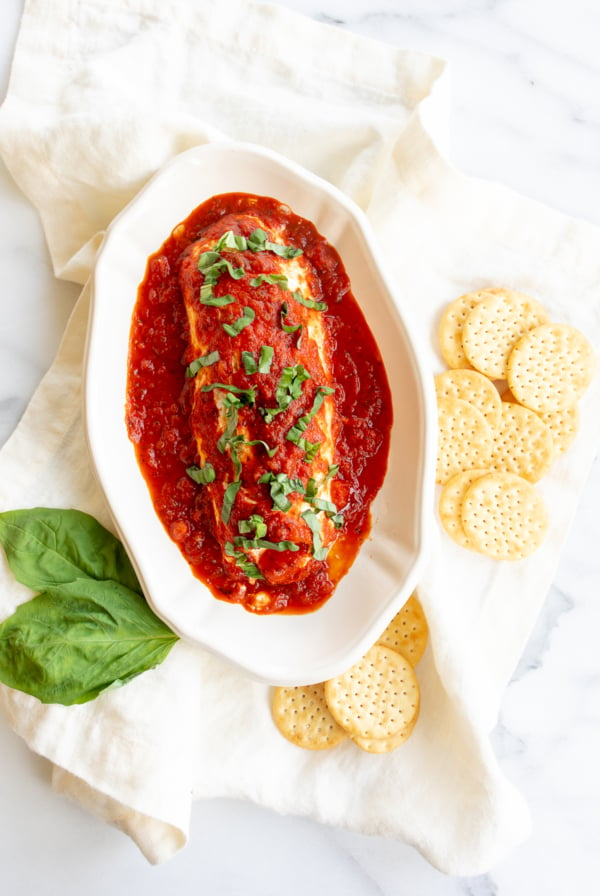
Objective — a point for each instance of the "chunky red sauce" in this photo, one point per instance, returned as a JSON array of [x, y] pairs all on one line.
[[160, 405]]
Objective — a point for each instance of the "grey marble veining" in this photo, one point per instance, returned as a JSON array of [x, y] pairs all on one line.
[[525, 113]]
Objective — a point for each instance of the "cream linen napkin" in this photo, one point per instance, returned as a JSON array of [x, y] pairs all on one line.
[[101, 94]]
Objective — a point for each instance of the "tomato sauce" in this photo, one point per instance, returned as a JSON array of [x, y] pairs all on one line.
[[159, 406]]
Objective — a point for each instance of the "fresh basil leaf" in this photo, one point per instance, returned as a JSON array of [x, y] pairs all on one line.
[[248, 568], [265, 358], [204, 361], [235, 328], [255, 523], [229, 499], [46, 547], [207, 260], [69, 644], [256, 544], [201, 475], [309, 303], [231, 240], [311, 520]]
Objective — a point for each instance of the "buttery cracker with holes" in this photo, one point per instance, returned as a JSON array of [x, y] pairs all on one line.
[[464, 438], [550, 367], [493, 327], [408, 631], [504, 516], [303, 717], [377, 697]]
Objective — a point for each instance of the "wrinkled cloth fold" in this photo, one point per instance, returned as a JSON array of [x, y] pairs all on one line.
[[102, 94]]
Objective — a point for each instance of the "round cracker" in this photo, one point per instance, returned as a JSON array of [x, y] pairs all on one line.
[[504, 516], [408, 631], [450, 505], [523, 444], [450, 329], [303, 717], [550, 367], [464, 438], [563, 424], [471, 386], [376, 697], [385, 744], [494, 325]]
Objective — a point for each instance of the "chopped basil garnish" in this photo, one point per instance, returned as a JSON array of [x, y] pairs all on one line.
[[245, 396], [248, 362], [275, 279], [248, 568], [280, 486], [309, 303], [255, 544], [259, 242], [201, 475], [207, 297], [255, 523], [229, 498], [295, 433], [265, 359], [289, 328], [289, 388], [256, 242], [310, 518], [235, 328], [203, 361]]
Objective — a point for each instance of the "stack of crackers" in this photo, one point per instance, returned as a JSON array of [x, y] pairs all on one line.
[[507, 406], [375, 703]]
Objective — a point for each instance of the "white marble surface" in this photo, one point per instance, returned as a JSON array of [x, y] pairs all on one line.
[[526, 113]]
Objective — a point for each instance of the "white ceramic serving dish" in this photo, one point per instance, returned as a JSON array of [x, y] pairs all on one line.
[[279, 649]]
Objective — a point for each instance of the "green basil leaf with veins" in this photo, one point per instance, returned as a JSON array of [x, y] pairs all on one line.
[[90, 628], [231, 240], [255, 523], [235, 328], [256, 544], [229, 499], [248, 568], [201, 475], [311, 520], [203, 361], [45, 547]]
